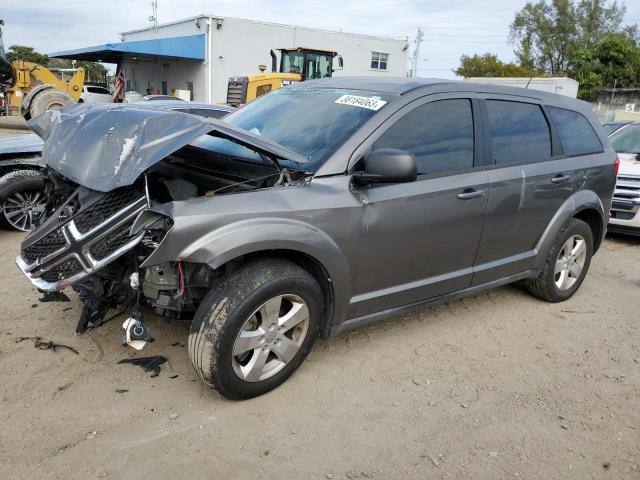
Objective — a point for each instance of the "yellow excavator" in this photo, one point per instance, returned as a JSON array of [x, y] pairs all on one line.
[[296, 64], [33, 89]]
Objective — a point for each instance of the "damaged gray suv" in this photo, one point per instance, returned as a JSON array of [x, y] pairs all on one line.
[[318, 208]]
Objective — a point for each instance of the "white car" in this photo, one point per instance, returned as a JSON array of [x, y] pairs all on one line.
[[625, 209], [95, 94]]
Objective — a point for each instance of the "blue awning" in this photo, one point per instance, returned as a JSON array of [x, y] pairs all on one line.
[[191, 47]]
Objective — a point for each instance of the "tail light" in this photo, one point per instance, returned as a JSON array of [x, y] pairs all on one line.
[[616, 166]]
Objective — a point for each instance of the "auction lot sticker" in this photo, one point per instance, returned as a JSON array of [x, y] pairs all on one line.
[[372, 103]]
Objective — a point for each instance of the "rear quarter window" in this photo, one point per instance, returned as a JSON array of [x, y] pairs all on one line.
[[575, 132]]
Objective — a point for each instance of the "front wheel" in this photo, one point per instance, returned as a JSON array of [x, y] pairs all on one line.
[[567, 263], [255, 329]]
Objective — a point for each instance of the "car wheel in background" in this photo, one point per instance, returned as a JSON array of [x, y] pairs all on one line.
[[255, 329], [567, 263], [22, 197]]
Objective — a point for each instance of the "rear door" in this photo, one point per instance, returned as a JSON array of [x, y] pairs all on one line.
[[530, 179], [418, 240]]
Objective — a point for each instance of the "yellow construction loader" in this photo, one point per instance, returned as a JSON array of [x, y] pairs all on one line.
[[34, 89], [296, 65]]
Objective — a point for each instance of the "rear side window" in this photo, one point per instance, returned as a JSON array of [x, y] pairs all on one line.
[[519, 132], [102, 91], [575, 131], [439, 134]]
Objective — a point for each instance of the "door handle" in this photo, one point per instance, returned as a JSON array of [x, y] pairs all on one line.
[[560, 178], [470, 193]]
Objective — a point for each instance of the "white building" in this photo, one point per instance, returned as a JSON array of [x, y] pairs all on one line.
[[201, 53], [560, 85]]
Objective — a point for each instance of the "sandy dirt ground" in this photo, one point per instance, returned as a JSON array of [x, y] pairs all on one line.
[[495, 386]]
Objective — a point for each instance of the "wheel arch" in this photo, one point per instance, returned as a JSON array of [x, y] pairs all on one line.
[[596, 223], [25, 106], [309, 264], [584, 205], [295, 240]]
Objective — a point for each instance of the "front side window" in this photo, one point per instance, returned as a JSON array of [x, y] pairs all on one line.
[[379, 60], [576, 133], [292, 62], [439, 134], [519, 132]]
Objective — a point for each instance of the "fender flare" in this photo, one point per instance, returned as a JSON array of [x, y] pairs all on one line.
[[579, 201], [262, 235], [25, 106]]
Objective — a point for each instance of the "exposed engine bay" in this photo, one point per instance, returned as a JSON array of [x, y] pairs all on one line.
[[96, 241]]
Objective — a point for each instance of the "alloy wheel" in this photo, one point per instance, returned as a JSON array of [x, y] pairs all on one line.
[[20, 207], [570, 262], [270, 338]]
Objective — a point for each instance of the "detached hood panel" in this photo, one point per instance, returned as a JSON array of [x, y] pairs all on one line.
[[104, 147]]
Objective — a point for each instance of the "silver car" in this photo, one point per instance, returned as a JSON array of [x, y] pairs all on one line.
[[318, 208]]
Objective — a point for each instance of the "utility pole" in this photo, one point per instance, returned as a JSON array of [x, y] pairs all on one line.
[[154, 17], [416, 53]]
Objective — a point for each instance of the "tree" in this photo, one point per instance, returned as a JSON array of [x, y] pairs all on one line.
[[548, 34], [618, 59], [21, 52], [94, 71], [488, 65]]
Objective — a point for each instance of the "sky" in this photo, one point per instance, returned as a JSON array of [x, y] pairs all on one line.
[[451, 27]]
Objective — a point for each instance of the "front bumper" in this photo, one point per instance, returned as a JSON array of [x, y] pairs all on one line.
[[75, 249]]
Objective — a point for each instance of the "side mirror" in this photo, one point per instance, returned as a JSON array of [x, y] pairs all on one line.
[[340, 63], [387, 165]]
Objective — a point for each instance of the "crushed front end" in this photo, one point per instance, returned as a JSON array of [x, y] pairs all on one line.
[[108, 168]]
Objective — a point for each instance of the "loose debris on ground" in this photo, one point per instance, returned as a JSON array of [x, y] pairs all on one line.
[[149, 364], [44, 345]]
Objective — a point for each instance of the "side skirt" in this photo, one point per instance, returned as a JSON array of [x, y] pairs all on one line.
[[372, 318]]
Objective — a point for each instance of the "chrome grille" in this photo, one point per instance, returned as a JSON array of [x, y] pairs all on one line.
[[62, 271], [88, 241], [111, 242], [103, 209], [626, 198], [49, 244]]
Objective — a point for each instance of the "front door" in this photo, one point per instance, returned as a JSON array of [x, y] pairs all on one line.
[[418, 240]]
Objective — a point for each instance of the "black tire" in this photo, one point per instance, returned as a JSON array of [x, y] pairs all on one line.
[[227, 307], [50, 99], [14, 182], [544, 286]]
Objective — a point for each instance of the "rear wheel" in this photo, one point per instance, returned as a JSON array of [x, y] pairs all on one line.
[[256, 328], [567, 263], [22, 197]]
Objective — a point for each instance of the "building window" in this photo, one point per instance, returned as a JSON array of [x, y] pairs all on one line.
[[379, 60]]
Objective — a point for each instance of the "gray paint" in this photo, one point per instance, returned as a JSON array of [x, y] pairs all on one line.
[[387, 248], [105, 146]]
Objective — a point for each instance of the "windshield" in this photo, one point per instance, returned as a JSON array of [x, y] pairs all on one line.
[[626, 140], [313, 123], [610, 127]]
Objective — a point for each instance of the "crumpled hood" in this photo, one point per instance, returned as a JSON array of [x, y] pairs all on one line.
[[29, 143], [629, 164], [107, 146]]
